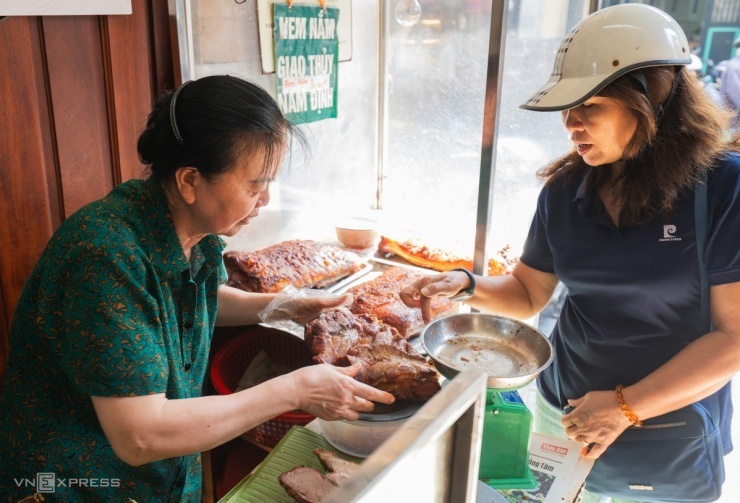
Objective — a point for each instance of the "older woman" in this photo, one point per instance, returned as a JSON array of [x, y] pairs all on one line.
[[109, 342], [615, 224]]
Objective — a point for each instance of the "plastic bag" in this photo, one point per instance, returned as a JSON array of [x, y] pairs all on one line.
[[292, 308]]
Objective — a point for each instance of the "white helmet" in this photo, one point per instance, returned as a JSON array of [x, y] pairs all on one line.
[[606, 45]]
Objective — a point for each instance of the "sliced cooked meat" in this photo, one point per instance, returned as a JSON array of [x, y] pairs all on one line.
[[306, 485], [389, 362], [337, 469]]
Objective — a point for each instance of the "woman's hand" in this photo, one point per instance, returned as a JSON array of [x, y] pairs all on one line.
[[597, 420], [332, 393], [237, 307], [419, 293], [520, 295], [303, 310]]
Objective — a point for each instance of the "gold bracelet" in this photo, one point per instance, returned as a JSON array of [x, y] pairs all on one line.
[[627, 412]]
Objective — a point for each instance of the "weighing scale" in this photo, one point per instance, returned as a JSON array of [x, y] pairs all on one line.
[[507, 428], [512, 353]]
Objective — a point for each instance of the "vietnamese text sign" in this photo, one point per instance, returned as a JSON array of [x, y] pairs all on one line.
[[266, 27], [306, 61]]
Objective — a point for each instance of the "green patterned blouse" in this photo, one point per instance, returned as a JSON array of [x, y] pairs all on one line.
[[112, 308]]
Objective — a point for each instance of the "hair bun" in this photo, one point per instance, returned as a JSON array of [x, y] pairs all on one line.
[[147, 148]]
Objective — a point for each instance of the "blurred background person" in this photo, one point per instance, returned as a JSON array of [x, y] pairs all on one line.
[[730, 85]]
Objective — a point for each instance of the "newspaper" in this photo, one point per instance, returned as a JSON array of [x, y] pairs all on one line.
[[559, 468]]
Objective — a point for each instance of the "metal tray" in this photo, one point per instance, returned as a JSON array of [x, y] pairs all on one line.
[[344, 282], [512, 353], [396, 261]]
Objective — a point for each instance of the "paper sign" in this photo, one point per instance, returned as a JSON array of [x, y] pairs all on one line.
[[265, 23], [306, 61]]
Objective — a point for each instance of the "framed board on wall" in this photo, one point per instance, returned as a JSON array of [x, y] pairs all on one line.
[[64, 7]]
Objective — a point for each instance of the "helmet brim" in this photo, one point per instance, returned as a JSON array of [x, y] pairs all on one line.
[[570, 92]]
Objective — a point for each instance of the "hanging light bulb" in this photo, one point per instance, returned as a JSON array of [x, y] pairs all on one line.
[[408, 12]]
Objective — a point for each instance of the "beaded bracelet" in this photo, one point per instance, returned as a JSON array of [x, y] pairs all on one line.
[[627, 412]]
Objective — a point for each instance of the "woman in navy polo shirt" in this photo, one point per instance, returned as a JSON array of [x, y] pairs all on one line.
[[615, 224], [109, 342]]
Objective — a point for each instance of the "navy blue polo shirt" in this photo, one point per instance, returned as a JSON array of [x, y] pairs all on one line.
[[633, 293]]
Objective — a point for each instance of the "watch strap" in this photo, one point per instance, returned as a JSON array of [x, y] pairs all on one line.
[[467, 292]]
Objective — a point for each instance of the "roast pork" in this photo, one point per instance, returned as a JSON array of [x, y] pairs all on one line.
[[388, 361], [301, 263], [380, 298]]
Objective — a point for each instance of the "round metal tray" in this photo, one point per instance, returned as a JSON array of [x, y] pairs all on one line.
[[512, 353]]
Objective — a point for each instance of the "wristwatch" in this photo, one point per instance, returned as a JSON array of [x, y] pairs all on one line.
[[469, 291]]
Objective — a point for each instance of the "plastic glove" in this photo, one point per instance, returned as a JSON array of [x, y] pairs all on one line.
[[291, 309]]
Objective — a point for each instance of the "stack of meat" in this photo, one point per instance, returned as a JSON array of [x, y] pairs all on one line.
[[373, 332], [389, 363]]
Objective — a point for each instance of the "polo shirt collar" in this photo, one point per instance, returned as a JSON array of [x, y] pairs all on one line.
[[589, 206], [581, 191]]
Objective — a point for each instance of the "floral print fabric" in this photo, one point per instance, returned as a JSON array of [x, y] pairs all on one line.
[[112, 308]]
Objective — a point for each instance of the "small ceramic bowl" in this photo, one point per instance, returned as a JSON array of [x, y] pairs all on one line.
[[357, 233]]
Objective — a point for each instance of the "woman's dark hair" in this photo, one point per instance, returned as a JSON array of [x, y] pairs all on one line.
[[663, 160], [218, 118]]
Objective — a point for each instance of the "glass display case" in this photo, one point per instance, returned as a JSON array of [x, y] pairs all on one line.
[[407, 145]]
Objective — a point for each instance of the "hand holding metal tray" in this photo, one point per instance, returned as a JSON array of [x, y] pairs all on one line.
[[512, 353]]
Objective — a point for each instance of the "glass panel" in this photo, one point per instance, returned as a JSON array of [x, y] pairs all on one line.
[[436, 73], [527, 140], [435, 85], [433, 90], [339, 174]]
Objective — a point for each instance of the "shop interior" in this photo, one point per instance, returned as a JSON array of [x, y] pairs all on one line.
[[429, 140]]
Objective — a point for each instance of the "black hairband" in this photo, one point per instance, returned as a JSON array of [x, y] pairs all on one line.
[[173, 122]]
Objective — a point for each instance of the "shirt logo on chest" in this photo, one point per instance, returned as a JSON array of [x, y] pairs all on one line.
[[669, 233]]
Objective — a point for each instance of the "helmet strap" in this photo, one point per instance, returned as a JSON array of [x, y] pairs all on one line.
[[640, 78], [664, 106]]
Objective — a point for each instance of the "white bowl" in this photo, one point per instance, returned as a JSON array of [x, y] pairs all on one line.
[[358, 438], [357, 233], [361, 437]]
